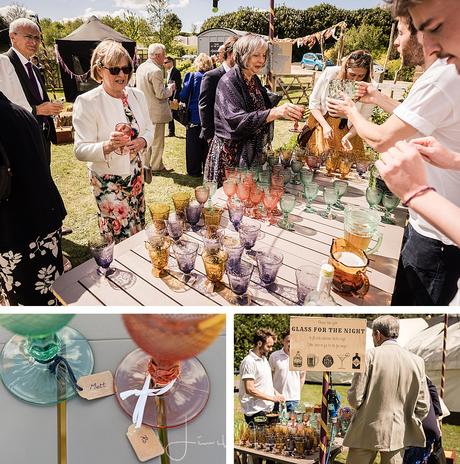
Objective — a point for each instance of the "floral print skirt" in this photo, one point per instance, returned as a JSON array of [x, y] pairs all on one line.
[[26, 274], [120, 201]]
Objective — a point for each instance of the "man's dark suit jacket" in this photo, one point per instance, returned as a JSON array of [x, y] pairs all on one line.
[[207, 100], [177, 78], [49, 133]]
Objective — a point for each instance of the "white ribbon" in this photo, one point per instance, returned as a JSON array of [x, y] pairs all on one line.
[[138, 413]]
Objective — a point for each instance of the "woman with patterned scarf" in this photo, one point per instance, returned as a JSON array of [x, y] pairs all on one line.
[[244, 115]]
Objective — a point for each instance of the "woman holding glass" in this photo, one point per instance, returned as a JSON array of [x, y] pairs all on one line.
[[331, 130], [196, 148], [244, 112], [112, 129]]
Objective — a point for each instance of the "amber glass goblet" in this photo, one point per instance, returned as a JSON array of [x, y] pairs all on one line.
[[158, 248], [159, 210]]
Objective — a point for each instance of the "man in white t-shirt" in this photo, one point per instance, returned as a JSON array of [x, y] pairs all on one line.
[[257, 394], [429, 265], [288, 383]]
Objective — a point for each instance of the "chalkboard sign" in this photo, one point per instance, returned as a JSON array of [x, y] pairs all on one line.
[[214, 47]]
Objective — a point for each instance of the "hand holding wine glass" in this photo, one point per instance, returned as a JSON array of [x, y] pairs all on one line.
[[120, 137]]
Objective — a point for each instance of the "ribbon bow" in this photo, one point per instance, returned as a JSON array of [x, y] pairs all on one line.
[[138, 413]]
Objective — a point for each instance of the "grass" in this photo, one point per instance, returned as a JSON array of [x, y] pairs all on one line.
[[71, 178], [311, 393]]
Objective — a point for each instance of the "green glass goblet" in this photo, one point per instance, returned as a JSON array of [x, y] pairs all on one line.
[[296, 166], [389, 202], [310, 193], [43, 361], [340, 187], [330, 197], [306, 176], [373, 197], [287, 203]]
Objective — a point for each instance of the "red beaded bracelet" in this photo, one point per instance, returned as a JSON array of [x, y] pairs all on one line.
[[419, 192]]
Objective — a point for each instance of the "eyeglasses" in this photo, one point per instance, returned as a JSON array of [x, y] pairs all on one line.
[[115, 70], [31, 38]]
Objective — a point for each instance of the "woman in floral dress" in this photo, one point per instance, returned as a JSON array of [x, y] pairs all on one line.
[[100, 118], [31, 214]]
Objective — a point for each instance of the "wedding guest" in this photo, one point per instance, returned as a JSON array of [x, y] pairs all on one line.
[[114, 156], [244, 112], [31, 214], [196, 148], [331, 130]]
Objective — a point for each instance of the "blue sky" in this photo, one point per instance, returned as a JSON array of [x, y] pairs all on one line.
[[189, 11]]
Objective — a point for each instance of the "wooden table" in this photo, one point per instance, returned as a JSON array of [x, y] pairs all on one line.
[[133, 283], [257, 455]]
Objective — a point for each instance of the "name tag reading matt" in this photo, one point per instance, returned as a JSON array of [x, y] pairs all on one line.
[[96, 385], [145, 442]]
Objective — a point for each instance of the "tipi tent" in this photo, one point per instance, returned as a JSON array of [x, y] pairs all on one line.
[[74, 54]]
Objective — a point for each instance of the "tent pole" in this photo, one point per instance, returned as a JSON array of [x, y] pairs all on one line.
[[271, 36], [444, 356], [390, 46]]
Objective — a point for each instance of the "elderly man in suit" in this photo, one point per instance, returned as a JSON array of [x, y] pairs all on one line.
[[209, 87], [173, 76], [25, 41], [150, 78], [391, 398]]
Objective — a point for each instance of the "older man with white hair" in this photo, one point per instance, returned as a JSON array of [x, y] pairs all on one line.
[[25, 41], [150, 79]]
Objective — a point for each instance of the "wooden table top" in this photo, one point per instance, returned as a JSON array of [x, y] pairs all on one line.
[[134, 285]]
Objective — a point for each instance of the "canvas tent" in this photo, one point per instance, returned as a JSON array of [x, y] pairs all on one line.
[[74, 54], [428, 345]]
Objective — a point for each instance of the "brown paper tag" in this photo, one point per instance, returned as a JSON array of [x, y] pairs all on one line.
[[145, 442], [96, 386]]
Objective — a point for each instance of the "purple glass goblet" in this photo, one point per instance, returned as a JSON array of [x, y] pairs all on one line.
[[175, 226], [248, 234], [231, 243], [268, 261], [185, 253], [239, 277], [102, 251], [193, 214], [235, 212]]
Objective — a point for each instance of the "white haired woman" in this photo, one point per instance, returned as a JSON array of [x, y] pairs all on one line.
[[196, 148], [243, 114], [113, 156]]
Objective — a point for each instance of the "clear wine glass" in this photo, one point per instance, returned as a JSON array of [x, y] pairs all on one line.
[[311, 192], [287, 204]]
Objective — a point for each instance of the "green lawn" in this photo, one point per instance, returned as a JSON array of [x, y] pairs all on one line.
[[71, 178], [311, 393]]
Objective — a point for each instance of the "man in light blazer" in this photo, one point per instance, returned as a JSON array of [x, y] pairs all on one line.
[[391, 398], [150, 78], [208, 90]]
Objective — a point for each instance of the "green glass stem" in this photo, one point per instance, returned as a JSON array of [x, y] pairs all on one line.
[[43, 349]]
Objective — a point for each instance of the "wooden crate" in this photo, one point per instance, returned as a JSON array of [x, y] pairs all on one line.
[[451, 456], [64, 134]]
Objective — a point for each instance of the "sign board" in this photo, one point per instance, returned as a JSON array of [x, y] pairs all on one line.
[[281, 58], [214, 47], [327, 344]]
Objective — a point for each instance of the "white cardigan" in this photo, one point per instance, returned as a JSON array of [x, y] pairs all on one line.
[[95, 115], [319, 94]]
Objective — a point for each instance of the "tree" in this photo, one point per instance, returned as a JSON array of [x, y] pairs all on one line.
[[16, 11], [165, 24]]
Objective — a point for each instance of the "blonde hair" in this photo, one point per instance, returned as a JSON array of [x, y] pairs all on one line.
[[203, 62], [107, 54]]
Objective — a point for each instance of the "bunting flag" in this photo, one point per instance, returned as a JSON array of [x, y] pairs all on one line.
[[317, 37]]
